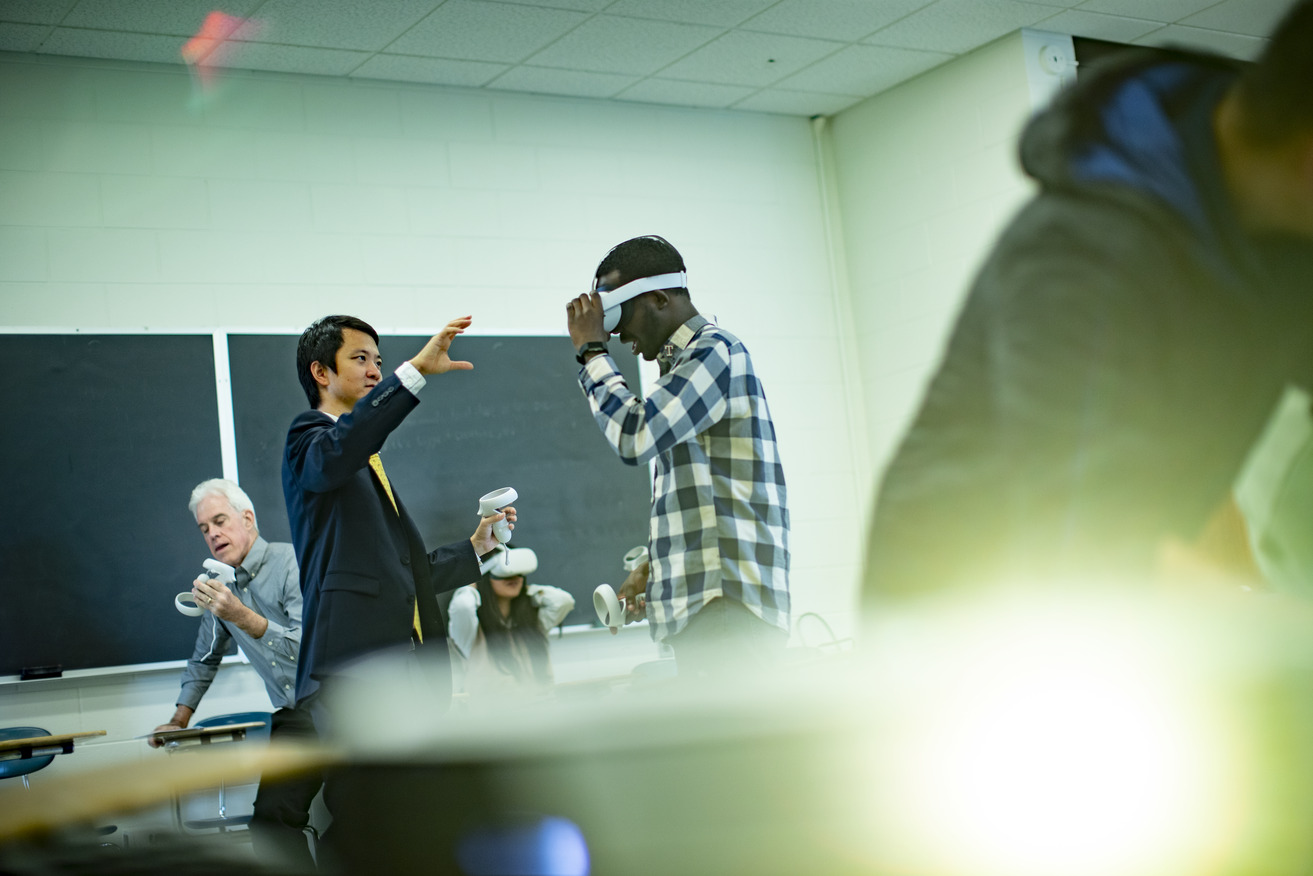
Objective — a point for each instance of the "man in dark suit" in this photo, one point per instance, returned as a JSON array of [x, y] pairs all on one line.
[[367, 581]]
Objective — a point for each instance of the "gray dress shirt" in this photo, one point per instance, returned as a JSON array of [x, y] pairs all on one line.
[[269, 584]]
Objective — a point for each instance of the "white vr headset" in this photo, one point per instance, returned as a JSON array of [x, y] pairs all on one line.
[[511, 563], [612, 300]]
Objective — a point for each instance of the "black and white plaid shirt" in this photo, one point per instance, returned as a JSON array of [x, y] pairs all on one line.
[[720, 516]]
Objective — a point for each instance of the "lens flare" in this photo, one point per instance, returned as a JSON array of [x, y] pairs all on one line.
[[214, 45], [1063, 749]]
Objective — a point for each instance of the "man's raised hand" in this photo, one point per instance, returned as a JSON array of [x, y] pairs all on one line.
[[434, 358]]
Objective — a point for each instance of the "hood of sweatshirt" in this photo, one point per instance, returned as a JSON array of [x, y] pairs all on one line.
[[1138, 129], [1139, 124]]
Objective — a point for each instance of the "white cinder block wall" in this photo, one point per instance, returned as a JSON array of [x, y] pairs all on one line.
[[928, 176]]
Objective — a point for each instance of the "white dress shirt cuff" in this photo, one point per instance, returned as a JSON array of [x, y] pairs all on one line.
[[410, 377]]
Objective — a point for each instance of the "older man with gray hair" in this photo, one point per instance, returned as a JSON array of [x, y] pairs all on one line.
[[261, 611]]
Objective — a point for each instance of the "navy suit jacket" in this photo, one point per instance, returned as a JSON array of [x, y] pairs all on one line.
[[363, 564]]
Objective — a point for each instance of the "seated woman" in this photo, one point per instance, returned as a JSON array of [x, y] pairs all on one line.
[[498, 628]]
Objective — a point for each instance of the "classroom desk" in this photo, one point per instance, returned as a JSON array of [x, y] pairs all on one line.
[[40, 746], [181, 740], [103, 792], [174, 739]]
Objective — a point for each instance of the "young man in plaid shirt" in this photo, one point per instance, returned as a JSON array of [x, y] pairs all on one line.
[[717, 589]]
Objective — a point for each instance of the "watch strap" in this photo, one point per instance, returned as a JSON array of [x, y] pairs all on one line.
[[589, 347]]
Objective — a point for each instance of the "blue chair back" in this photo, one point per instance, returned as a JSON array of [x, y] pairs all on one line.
[[252, 735], [223, 821], [10, 769]]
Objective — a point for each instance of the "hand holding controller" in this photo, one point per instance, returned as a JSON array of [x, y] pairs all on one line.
[[613, 610], [225, 574], [491, 504]]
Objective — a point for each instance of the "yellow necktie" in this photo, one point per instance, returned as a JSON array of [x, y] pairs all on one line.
[[376, 464]]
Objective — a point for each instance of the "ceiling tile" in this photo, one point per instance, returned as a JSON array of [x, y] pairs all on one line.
[[723, 13], [549, 80], [611, 44], [796, 103], [436, 71], [1165, 11], [863, 70], [957, 26], [740, 58], [477, 30], [1252, 17], [845, 20], [113, 44], [340, 24], [177, 17], [289, 59], [21, 37], [35, 11], [1233, 45], [1113, 28], [685, 93]]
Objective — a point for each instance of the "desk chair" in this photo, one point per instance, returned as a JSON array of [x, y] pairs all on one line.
[[22, 766], [10, 769], [225, 822]]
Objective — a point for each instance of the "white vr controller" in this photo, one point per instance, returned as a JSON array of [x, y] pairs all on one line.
[[609, 607], [221, 572], [611, 300], [493, 502], [635, 558]]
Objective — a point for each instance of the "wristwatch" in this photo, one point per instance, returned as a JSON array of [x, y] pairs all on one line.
[[589, 347]]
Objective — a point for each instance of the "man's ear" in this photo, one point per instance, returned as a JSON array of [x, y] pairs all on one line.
[[319, 371], [660, 299]]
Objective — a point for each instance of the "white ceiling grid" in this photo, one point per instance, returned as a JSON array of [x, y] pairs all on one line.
[[798, 57]]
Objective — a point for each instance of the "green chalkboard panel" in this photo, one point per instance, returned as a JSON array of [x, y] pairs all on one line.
[[103, 441]]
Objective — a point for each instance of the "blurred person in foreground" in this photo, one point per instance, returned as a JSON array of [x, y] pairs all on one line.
[[1127, 339]]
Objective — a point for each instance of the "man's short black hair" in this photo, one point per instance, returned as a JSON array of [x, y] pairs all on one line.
[[1275, 97], [645, 256], [320, 343]]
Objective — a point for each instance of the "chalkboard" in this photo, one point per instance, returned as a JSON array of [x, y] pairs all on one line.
[[104, 439], [517, 420], [112, 432]]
